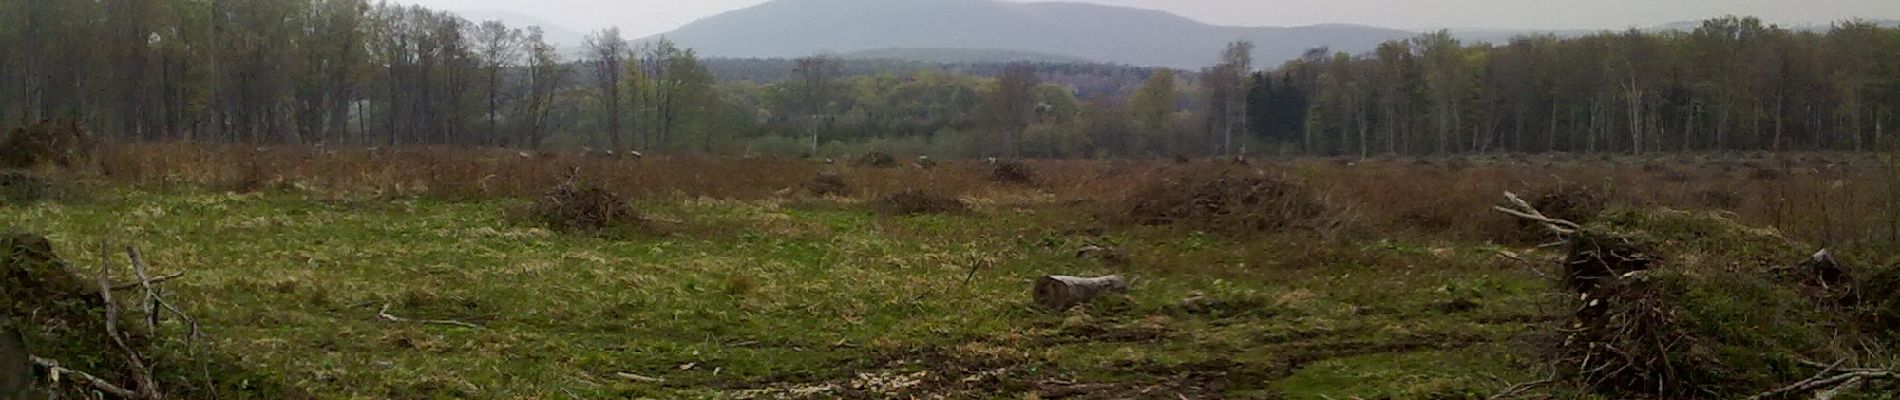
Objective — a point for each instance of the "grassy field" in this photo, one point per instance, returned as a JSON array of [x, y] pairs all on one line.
[[759, 293]]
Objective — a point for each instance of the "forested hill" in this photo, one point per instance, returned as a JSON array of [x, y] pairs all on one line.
[[962, 56], [1086, 80], [797, 28]]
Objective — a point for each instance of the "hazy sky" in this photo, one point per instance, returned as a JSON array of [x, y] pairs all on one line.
[[644, 17]]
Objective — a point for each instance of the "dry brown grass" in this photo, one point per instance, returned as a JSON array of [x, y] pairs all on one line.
[[1826, 198]]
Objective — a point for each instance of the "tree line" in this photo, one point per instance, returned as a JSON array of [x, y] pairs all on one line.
[[380, 74], [1731, 84]]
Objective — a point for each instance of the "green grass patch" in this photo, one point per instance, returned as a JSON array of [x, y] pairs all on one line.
[[762, 298]]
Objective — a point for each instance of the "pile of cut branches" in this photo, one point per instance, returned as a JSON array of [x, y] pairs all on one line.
[[69, 316], [1644, 325], [579, 206]]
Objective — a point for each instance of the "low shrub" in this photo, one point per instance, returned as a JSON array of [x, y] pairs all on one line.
[[18, 187]]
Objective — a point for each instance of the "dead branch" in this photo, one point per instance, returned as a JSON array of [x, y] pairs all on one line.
[[1523, 209], [639, 378], [1519, 389], [1831, 382], [56, 372], [1508, 255], [157, 305], [154, 280], [150, 303], [141, 374], [386, 316]]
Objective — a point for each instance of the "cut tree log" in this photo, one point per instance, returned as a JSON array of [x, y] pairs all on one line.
[[1062, 292]]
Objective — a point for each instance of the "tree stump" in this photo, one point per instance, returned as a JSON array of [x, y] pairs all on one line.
[[1062, 292]]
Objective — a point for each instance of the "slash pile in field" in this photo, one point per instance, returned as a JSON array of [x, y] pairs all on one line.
[[578, 206], [1671, 304], [59, 313], [826, 185], [64, 143], [1231, 200], [1013, 172], [916, 202], [876, 160]]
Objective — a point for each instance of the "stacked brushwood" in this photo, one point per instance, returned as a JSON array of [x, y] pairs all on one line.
[[1230, 200], [61, 319], [828, 185], [1013, 172], [876, 160], [64, 143], [1670, 304], [920, 202], [582, 207]]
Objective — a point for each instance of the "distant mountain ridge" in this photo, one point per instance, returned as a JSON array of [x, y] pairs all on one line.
[[797, 28], [558, 35], [963, 56]]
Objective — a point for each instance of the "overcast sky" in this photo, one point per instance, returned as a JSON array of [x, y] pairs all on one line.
[[645, 17]]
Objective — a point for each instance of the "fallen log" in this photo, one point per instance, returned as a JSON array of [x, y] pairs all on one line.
[[1062, 292]]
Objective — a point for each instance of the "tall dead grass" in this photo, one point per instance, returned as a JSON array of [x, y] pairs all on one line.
[[1822, 197]]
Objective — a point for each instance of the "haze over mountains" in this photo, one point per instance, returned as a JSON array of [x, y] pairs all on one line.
[[556, 34], [796, 28], [963, 31]]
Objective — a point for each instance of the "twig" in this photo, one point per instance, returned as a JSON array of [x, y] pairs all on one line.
[[1520, 388], [975, 265], [636, 377], [1527, 263], [148, 389], [158, 306], [384, 314], [1831, 384], [1523, 209], [154, 280], [82, 377]]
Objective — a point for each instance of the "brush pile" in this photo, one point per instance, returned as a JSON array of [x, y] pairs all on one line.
[[68, 320], [1013, 172], [918, 202], [62, 143], [876, 160], [1671, 304], [582, 207], [1231, 201], [828, 185]]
